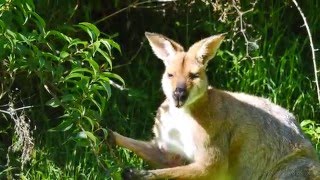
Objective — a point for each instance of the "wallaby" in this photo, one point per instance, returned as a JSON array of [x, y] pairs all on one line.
[[204, 133]]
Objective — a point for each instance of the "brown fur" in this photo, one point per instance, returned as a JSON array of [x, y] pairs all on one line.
[[215, 134]]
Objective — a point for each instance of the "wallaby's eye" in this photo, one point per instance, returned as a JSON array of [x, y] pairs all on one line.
[[193, 75], [170, 75]]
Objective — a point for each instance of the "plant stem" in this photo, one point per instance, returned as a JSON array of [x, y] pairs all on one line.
[[311, 46]]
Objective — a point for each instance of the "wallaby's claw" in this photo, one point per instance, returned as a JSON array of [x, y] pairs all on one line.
[[131, 174]]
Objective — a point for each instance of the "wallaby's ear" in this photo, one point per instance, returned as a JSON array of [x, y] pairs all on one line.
[[162, 46], [206, 49]]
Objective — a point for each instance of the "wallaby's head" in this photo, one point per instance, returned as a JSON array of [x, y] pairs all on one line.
[[184, 80]]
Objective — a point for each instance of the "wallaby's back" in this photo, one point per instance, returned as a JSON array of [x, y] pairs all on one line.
[[264, 137]]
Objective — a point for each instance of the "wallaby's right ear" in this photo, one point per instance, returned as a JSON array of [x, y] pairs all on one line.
[[162, 46]]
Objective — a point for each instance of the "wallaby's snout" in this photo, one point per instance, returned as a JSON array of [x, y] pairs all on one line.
[[180, 94]]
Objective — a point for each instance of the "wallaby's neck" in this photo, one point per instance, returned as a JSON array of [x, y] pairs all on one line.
[[200, 104]]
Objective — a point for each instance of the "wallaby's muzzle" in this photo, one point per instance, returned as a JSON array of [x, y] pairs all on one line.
[[180, 95]]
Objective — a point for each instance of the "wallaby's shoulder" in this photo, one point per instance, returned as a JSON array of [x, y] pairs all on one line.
[[253, 101]]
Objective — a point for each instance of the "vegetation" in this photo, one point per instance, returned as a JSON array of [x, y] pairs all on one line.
[[64, 80]]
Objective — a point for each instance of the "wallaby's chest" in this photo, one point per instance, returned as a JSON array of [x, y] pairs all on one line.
[[175, 133]]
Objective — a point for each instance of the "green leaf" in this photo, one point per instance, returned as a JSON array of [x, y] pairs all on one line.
[[53, 103], [76, 42], [102, 104], [94, 65], [304, 123], [91, 29], [64, 126], [50, 56], [68, 97], [2, 26], [64, 54], [95, 46], [11, 37], [58, 35], [30, 5], [23, 38], [39, 21], [106, 43], [74, 75], [82, 135], [105, 83], [109, 42], [81, 70], [114, 76], [90, 120], [81, 139], [106, 56], [97, 104], [92, 137]]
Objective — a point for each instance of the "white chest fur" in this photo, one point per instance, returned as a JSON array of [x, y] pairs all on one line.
[[174, 133]]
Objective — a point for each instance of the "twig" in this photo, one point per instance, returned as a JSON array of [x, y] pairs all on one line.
[[116, 85], [24, 141], [121, 65], [12, 111], [6, 112], [133, 5], [311, 46], [240, 13], [130, 61]]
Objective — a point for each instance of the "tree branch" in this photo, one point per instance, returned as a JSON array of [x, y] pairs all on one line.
[[311, 46]]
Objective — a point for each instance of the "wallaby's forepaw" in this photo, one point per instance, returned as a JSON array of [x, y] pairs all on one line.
[[132, 174], [129, 174]]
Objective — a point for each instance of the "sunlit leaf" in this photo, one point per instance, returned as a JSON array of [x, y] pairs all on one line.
[[75, 75], [64, 54], [304, 123], [81, 70], [53, 102], [90, 120], [91, 29], [82, 135], [63, 126], [91, 136]]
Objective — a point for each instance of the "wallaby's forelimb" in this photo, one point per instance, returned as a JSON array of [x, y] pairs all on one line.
[[149, 152]]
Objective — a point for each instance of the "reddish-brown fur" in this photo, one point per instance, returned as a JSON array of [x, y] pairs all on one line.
[[205, 133]]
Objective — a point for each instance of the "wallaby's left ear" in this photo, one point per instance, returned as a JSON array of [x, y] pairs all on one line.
[[206, 49]]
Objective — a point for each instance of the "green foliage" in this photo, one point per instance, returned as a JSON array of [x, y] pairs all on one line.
[[312, 129], [70, 74]]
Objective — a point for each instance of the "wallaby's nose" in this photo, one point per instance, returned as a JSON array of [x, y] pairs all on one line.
[[180, 90], [180, 93]]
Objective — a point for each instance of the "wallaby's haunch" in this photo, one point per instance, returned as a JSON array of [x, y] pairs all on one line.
[[205, 133]]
